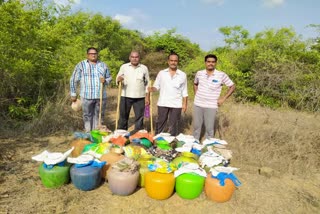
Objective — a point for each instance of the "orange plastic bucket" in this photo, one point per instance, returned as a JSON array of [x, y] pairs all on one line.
[[216, 192]]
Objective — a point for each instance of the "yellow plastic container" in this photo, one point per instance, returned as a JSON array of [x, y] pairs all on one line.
[[144, 161], [158, 185]]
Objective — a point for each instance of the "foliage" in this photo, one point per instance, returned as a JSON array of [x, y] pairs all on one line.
[[156, 62], [171, 42], [316, 41], [40, 45], [274, 68]]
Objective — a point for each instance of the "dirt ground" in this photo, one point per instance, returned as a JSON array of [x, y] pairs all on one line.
[[21, 190]]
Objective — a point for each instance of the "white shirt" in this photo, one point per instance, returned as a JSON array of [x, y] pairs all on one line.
[[135, 81], [172, 89]]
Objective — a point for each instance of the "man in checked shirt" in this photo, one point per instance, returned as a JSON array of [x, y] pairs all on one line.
[[91, 73]]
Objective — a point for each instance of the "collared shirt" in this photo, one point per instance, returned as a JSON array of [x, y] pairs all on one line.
[[172, 88], [209, 88], [88, 74], [136, 79]]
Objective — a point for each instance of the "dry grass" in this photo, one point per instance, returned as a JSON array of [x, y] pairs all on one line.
[[285, 140]]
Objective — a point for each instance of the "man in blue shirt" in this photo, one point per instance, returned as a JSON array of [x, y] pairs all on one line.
[[92, 74]]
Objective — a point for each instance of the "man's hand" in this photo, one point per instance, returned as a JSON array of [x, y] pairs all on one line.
[[221, 101], [73, 99], [120, 78], [102, 79], [151, 89], [184, 108], [147, 101]]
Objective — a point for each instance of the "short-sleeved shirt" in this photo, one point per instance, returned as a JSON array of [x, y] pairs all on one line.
[[135, 81], [172, 88], [209, 88]]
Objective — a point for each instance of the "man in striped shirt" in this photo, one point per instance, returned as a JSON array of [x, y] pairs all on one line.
[[92, 75], [207, 89]]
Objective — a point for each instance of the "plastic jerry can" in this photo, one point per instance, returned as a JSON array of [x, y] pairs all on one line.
[[85, 178]]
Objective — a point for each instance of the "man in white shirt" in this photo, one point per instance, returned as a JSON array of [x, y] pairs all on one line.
[[135, 78], [207, 89], [172, 84]]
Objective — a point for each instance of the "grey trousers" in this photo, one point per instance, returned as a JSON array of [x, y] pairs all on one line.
[[90, 109], [172, 115], [208, 116]]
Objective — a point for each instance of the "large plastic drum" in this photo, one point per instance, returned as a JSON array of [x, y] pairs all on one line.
[[55, 177], [189, 185], [85, 178]]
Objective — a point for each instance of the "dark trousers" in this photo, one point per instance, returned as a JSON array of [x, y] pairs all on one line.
[[172, 115], [138, 107]]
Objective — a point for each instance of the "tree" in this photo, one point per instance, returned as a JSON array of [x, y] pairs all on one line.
[[172, 42]]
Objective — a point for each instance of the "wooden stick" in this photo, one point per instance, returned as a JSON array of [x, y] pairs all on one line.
[[118, 105], [151, 112], [101, 88]]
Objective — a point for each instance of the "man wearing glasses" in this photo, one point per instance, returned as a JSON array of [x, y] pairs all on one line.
[[92, 75], [207, 89]]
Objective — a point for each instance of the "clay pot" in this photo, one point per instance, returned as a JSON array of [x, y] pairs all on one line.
[[216, 192], [123, 177], [110, 158], [78, 145]]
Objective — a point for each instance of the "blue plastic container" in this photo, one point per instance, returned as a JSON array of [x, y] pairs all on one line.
[[85, 178]]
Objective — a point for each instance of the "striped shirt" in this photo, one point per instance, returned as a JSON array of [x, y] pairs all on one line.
[[172, 89], [209, 88], [88, 74]]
